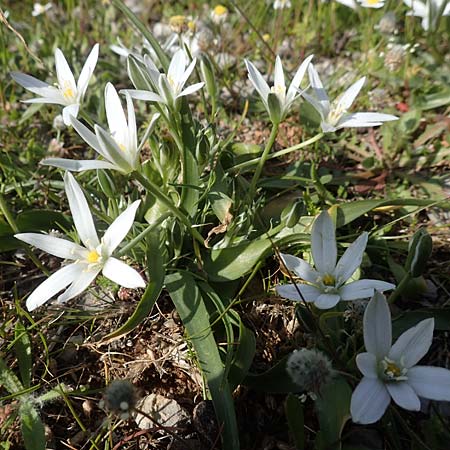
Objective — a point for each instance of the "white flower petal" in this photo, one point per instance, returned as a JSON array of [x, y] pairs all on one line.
[[117, 231], [315, 104], [351, 259], [77, 165], [52, 285], [132, 130], [323, 244], [430, 382], [369, 401], [418, 7], [413, 344], [365, 119], [70, 111], [122, 274], [360, 289], [177, 66], [301, 268], [36, 86], [113, 151], [81, 213], [61, 248], [377, 326], [367, 364], [348, 97], [191, 89], [152, 70], [186, 74], [403, 394], [279, 81], [115, 115], [257, 80], [87, 135], [87, 71], [298, 77], [80, 284], [139, 94], [327, 301], [63, 73], [48, 100], [319, 91], [289, 291]]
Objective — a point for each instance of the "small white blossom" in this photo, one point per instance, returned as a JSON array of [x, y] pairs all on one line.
[[334, 114], [119, 148], [219, 14], [390, 371], [89, 259], [371, 3], [285, 98], [428, 11], [68, 93], [327, 283], [282, 4], [39, 9], [169, 86]]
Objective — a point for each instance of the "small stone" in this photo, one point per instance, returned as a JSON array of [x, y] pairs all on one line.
[[165, 411]]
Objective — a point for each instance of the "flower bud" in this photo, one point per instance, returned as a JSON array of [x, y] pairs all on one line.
[[419, 251]]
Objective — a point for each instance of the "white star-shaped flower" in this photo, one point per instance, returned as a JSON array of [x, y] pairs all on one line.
[[89, 259], [390, 371], [327, 283], [68, 93], [284, 98], [334, 114]]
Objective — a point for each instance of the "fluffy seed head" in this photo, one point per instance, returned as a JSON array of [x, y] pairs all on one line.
[[309, 369]]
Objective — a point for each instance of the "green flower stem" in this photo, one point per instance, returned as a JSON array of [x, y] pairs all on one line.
[[262, 160], [163, 198], [285, 151], [400, 288], [144, 233]]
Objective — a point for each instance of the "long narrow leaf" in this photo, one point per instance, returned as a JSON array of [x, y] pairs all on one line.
[[190, 306]]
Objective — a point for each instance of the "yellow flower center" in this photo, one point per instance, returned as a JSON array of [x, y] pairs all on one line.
[[93, 257], [328, 280], [220, 10], [67, 91], [172, 82], [266, 37], [392, 369], [178, 23], [373, 2], [279, 90], [122, 147]]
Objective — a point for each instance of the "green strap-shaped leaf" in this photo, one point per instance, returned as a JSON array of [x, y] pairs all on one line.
[[296, 420], [190, 306], [22, 347], [348, 212], [333, 411], [33, 432], [156, 258], [275, 380], [243, 357]]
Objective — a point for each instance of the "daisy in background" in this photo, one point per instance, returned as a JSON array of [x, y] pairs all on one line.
[[88, 259], [327, 284], [284, 99], [282, 4], [219, 14], [67, 93], [390, 371], [430, 11], [119, 148], [371, 3], [334, 114], [39, 9]]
